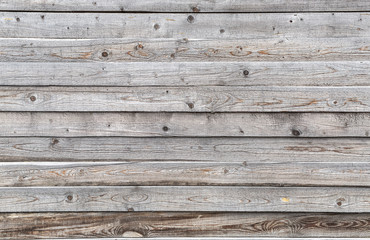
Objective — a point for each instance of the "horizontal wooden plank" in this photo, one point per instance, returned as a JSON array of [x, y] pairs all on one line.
[[185, 124], [191, 198], [194, 173], [276, 48], [185, 224], [195, 26], [185, 5], [342, 73], [186, 99], [221, 150]]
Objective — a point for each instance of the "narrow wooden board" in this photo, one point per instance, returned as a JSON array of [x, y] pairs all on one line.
[[186, 99], [276, 48], [338, 73], [221, 150], [185, 124], [185, 5], [185, 224], [194, 26], [194, 173], [191, 198]]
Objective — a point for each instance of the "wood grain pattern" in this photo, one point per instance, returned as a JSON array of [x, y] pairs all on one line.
[[277, 48], [186, 99], [195, 173], [186, 224], [191, 198], [342, 73], [185, 124], [179, 26], [222, 150], [185, 5]]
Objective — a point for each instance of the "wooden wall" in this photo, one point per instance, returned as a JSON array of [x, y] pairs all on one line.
[[189, 118]]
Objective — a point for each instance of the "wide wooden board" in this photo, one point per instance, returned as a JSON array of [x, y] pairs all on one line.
[[51, 124], [185, 5], [185, 224], [179, 26]]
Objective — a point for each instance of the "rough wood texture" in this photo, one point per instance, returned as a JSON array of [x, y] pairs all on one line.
[[222, 150], [191, 198], [198, 26], [186, 99], [186, 5], [172, 173], [276, 48], [195, 224], [342, 73], [185, 124]]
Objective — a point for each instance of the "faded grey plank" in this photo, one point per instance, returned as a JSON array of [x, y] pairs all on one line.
[[278, 48], [186, 5], [342, 73], [191, 198], [194, 173], [186, 99], [238, 150], [185, 224], [185, 124], [195, 26]]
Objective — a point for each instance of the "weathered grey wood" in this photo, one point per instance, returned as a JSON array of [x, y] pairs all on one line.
[[191, 198], [185, 224], [198, 26], [238, 150], [195, 173], [343, 73], [185, 124], [186, 99], [186, 5], [213, 238], [278, 48]]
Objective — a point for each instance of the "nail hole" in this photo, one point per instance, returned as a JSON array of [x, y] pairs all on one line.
[[18, 19], [33, 98], [156, 26], [55, 141], [165, 128], [42, 17], [245, 73], [296, 132], [69, 197], [190, 19], [290, 21], [222, 30], [195, 9]]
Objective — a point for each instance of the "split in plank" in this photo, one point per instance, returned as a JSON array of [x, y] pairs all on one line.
[[186, 99], [191, 198], [196, 26], [343, 73], [194, 173], [279, 48], [184, 224], [185, 5], [185, 124], [218, 150]]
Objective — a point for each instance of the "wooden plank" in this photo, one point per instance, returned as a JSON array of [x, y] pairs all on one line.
[[185, 224], [194, 173], [276, 48], [342, 73], [186, 99], [185, 124], [191, 198], [221, 150], [178, 26], [185, 5]]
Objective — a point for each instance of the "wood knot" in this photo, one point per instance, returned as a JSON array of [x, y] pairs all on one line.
[[69, 198], [222, 30], [156, 26], [105, 54], [190, 105], [195, 9], [54, 141], [296, 132], [139, 46], [340, 201], [190, 19]]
